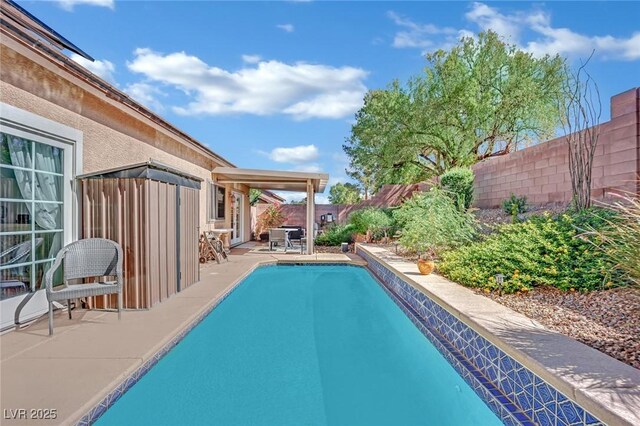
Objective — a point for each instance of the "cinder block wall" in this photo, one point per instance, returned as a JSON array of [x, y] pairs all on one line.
[[541, 172]]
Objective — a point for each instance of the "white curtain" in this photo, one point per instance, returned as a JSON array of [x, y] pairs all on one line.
[[45, 187]]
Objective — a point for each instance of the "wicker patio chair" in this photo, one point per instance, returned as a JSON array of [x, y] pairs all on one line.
[[89, 258]]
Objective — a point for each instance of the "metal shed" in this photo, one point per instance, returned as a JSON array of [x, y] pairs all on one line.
[[152, 210]]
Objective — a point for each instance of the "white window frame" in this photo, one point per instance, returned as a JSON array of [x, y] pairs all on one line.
[[24, 124], [213, 214]]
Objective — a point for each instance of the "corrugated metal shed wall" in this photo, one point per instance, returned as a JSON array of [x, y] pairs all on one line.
[[189, 230], [141, 215]]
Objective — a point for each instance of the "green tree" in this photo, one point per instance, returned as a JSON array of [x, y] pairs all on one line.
[[254, 196], [344, 193], [365, 177], [480, 99]]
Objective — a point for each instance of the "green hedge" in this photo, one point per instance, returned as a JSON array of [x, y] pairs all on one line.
[[336, 235], [541, 251], [430, 222], [375, 220], [458, 184]]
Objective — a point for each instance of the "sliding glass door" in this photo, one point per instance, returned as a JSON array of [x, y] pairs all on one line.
[[35, 218]]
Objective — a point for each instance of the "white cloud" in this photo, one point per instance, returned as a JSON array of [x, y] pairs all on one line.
[[414, 35], [322, 199], [147, 94], [489, 18], [309, 168], [288, 28], [296, 154], [300, 90], [545, 39], [103, 69], [251, 59], [70, 4], [564, 41]]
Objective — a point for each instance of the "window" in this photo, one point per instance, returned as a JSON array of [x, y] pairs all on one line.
[[216, 200], [31, 212]]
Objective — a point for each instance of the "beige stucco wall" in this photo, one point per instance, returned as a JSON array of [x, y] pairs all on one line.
[[112, 136]]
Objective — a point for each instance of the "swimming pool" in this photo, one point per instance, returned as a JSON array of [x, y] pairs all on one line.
[[297, 345]]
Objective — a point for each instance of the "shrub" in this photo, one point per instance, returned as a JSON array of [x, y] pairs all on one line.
[[272, 217], [515, 205], [431, 221], [458, 184], [541, 251], [371, 220], [621, 239], [335, 235]]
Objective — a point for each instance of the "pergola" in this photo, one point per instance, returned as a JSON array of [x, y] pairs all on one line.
[[311, 183]]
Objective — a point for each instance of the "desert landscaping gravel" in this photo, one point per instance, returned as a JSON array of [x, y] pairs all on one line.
[[607, 320]]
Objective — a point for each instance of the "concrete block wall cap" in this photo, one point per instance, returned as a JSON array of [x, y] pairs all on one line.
[[577, 370]]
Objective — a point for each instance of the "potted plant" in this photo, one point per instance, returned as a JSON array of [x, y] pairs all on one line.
[[425, 250], [272, 217], [426, 265], [414, 238]]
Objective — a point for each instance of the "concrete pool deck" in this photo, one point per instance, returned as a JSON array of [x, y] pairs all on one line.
[[90, 355]]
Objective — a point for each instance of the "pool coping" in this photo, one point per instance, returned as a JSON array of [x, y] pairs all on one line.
[[574, 369]]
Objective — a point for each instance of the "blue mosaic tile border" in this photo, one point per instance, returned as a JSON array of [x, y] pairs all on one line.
[[512, 391]]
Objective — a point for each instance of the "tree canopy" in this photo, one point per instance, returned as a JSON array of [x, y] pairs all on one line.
[[344, 193], [482, 98]]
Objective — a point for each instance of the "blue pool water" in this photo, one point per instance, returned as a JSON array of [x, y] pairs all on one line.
[[303, 345]]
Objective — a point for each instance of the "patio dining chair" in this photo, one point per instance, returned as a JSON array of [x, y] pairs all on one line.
[[278, 236], [295, 236], [89, 258]]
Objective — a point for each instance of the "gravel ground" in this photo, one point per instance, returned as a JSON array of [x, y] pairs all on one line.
[[607, 320], [491, 217]]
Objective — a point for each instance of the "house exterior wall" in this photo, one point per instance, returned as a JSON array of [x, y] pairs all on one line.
[[113, 134], [541, 172]]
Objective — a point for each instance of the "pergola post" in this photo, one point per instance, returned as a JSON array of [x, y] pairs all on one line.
[[311, 213]]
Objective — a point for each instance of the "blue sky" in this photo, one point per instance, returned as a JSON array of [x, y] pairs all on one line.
[[275, 85]]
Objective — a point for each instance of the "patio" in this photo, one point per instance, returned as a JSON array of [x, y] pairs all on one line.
[[89, 356], [273, 180]]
